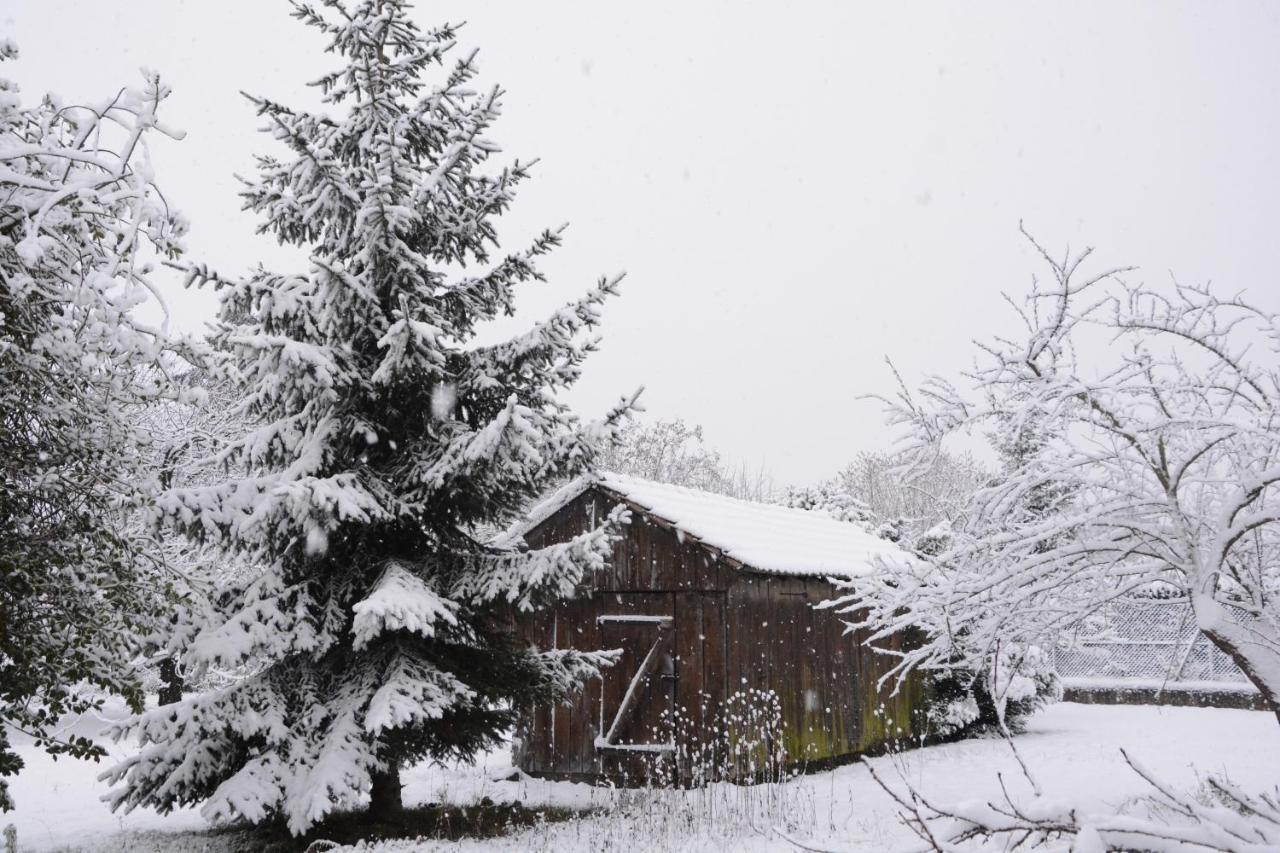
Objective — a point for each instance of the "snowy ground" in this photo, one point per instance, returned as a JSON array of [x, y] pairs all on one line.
[[1072, 748]]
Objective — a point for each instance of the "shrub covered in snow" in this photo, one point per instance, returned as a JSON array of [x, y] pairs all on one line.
[[81, 225], [829, 499], [1010, 688]]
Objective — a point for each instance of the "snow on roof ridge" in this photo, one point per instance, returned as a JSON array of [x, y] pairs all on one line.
[[602, 476], [764, 537]]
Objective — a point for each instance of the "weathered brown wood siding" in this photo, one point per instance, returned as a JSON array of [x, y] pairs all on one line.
[[825, 678], [734, 630]]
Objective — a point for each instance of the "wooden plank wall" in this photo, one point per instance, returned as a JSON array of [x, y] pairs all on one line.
[[701, 652], [559, 739], [653, 556], [735, 630], [824, 678]]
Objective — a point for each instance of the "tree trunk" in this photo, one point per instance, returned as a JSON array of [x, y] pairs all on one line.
[[172, 686], [384, 799], [1251, 646]]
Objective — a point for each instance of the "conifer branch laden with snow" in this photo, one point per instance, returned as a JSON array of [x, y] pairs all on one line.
[[385, 441], [1153, 462]]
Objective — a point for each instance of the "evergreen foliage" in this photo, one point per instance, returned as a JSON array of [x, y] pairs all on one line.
[[385, 437], [829, 498]]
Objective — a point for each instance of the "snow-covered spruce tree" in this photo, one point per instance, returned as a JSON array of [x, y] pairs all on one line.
[[1020, 437], [387, 436], [1156, 462], [828, 498], [80, 221], [186, 437]]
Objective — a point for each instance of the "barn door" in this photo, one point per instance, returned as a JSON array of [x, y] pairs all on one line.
[[637, 694], [702, 666]]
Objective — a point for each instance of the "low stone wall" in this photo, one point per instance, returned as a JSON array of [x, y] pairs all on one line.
[[1203, 694]]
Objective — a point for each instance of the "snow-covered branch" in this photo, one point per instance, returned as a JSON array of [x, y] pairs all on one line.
[[1228, 820], [1150, 461]]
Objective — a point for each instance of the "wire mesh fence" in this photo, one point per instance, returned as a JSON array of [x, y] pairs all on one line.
[[1144, 641]]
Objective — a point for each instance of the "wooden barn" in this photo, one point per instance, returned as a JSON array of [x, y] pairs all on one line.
[[712, 602]]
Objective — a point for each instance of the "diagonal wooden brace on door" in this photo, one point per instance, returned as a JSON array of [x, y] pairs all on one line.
[[662, 623]]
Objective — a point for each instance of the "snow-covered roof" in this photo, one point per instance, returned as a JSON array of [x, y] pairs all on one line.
[[764, 537]]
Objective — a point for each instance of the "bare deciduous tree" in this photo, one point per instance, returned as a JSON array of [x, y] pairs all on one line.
[[671, 451], [935, 493]]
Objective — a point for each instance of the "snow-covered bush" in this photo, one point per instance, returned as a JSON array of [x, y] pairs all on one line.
[[1007, 690], [1025, 680], [384, 437], [81, 225], [933, 541], [828, 498]]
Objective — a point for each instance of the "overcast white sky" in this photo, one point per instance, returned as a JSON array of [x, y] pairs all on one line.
[[795, 193]]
